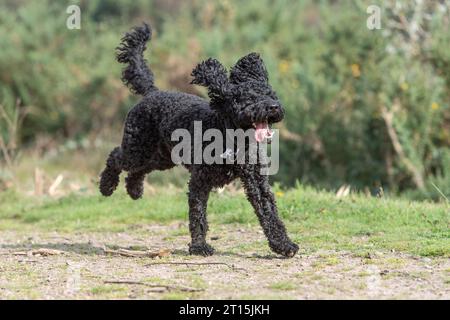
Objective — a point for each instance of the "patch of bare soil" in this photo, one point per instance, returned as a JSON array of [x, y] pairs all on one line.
[[152, 263]]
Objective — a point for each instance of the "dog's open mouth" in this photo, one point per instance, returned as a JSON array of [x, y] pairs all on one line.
[[262, 131]]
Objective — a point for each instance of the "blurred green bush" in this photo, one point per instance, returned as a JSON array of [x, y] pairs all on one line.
[[368, 108]]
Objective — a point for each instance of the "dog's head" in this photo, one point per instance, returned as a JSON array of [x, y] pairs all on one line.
[[246, 96]]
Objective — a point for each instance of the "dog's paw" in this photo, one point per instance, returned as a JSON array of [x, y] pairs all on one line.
[[287, 249], [135, 191], [203, 249], [135, 194]]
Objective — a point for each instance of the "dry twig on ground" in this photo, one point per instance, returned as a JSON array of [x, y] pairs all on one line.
[[161, 287], [138, 253]]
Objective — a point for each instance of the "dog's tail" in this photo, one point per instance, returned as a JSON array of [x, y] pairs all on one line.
[[136, 75]]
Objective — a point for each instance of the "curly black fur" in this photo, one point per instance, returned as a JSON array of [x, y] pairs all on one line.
[[137, 76], [237, 101]]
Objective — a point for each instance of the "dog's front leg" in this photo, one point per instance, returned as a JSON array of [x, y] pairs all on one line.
[[259, 194], [199, 189]]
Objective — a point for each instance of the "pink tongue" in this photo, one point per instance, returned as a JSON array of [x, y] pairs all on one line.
[[262, 131]]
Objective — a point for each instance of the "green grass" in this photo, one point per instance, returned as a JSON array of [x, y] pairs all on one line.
[[315, 219], [284, 286]]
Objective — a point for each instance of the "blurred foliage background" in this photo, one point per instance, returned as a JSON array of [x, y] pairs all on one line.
[[365, 108]]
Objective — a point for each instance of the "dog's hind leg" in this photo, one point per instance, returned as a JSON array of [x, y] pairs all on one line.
[[109, 178], [135, 183]]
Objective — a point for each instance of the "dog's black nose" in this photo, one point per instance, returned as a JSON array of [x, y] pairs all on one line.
[[274, 108]]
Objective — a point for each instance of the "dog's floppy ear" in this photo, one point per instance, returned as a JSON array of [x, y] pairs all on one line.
[[249, 67], [212, 75]]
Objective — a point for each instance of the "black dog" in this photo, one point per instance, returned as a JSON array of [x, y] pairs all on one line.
[[244, 100]]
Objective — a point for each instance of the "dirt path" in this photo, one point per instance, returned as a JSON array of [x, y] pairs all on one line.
[[242, 268]]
